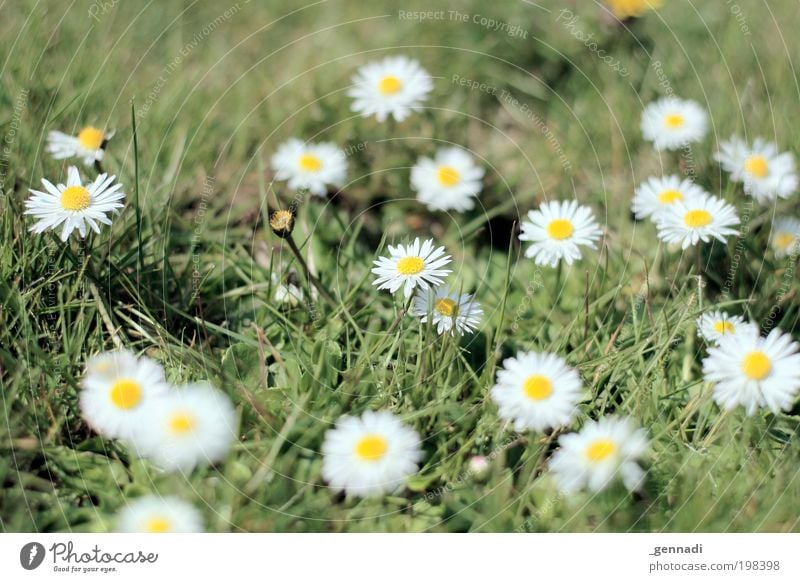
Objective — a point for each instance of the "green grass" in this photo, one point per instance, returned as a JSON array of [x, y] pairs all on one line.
[[184, 275]]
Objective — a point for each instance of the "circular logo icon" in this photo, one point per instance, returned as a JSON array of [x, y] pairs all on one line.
[[31, 555]]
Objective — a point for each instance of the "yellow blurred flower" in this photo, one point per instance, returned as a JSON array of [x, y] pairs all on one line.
[[623, 9]]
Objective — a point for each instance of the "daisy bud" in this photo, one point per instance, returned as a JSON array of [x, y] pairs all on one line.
[[282, 223], [479, 467]]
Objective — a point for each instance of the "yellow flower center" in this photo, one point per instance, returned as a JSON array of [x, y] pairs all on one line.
[[446, 307], [181, 423], [157, 524], [410, 265], [310, 163], [90, 138], [560, 228], [674, 120], [537, 387], [669, 196], [697, 218], [757, 166], [600, 450], [125, 393], [784, 240], [390, 85], [724, 327], [371, 447], [75, 198], [448, 176], [756, 365]]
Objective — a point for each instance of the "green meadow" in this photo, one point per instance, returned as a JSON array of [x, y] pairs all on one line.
[[547, 96]]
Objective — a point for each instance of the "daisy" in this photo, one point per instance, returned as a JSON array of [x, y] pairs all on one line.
[[370, 455], [154, 514], [766, 173], [598, 453], [785, 238], [656, 195], [116, 388], [671, 123], [395, 86], [189, 426], [450, 312], [74, 205], [697, 219], [537, 391], [289, 293], [623, 9], [411, 266], [713, 326], [478, 466], [754, 371], [88, 145], [311, 167], [450, 181], [557, 229]]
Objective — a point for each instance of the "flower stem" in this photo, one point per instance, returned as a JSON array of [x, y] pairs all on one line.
[[312, 280]]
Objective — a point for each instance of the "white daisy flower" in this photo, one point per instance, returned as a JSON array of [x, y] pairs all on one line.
[[766, 173], [395, 86], [411, 266], [656, 195], [450, 181], [754, 371], [713, 326], [154, 514], [450, 312], [88, 145], [698, 219], [288, 293], [671, 123], [370, 455], [785, 239], [557, 230], [74, 205], [310, 166], [598, 454], [116, 389], [537, 391], [189, 426]]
